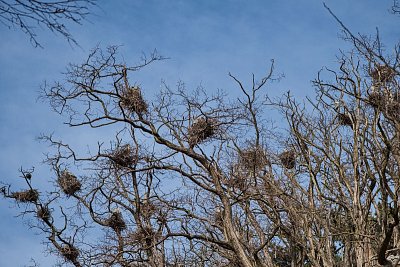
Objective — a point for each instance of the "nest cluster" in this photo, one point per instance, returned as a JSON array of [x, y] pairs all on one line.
[[132, 100], [344, 119], [123, 156], [382, 74], [253, 158], [43, 213], [69, 252], [69, 183], [30, 195], [116, 222], [202, 129], [288, 159]]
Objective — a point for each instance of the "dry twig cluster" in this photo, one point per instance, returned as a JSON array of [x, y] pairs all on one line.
[[132, 100], [144, 236], [30, 195], [123, 156], [202, 129], [344, 119], [116, 222], [253, 158], [43, 213], [69, 183], [288, 159], [69, 252], [382, 74]]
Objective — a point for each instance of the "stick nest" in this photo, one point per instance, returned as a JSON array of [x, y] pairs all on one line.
[[382, 74], [377, 100], [30, 195], [43, 213], [288, 159], [132, 100], [69, 252], [201, 130], [148, 209], [344, 119], [253, 158], [144, 236], [116, 222], [69, 183], [124, 156]]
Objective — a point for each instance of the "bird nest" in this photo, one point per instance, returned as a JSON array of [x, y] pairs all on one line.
[[377, 100], [69, 252], [382, 74], [201, 130], [132, 100], [344, 119], [148, 209], [123, 156], [30, 195], [69, 183], [288, 159], [393, 109], [43, 213], [116, 222], [253, 158], [144, 236]]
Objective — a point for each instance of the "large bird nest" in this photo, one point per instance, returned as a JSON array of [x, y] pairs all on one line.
[[253, 158], [69, 252], [116, 222], [344, 119], [201, 130], [43, 213], [377, 99], [132, 100], [144, 236], [148, 209], [123, 156], [288, 159], [393, 109], [382, 74], [30, 195], [69, 183]]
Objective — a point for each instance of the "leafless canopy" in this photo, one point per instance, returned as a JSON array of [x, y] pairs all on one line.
[[53, 15], [203, 179]]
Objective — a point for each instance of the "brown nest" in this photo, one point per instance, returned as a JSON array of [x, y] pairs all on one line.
[[253, 158], [288, 159], [377, 100], [30, 195], [148, 209], [69, 252], [239, 182], [123, 156], [43, 213], [201, 130], [69, 183], [382, 74], [144, 236], [393, 110], [116, 222], [344, 119], [133, 101]]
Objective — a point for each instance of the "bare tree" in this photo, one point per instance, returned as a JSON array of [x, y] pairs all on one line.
[[193, 178], [53, 15]]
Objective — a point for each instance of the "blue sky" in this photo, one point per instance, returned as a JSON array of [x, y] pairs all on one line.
[[204, 41]]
